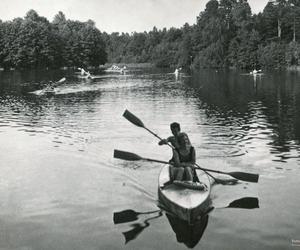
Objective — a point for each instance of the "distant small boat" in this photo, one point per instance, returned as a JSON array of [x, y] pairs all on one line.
[[116, 69], [49, 90], [254, 72], [86, 77]]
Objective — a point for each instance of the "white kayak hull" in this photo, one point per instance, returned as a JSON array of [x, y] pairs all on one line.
[[187, 204]]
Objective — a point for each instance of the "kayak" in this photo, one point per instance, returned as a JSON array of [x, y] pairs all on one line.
[[121, 71], [186, 202], [49, 92], [113, 70]]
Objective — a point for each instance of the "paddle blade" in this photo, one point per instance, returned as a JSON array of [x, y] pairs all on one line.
[[245, 176], [62, 80], [246, 203], [127, 156], [125, 216], [133, 119]]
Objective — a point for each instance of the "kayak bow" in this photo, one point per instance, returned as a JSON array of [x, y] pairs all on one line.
[[186, 203]]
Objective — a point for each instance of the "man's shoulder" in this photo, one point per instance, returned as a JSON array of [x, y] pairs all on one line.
[[171, 138]]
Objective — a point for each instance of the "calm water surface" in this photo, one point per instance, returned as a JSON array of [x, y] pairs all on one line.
[[60, 185]]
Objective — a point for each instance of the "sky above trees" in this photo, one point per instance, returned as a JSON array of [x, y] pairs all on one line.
[[117, 15]]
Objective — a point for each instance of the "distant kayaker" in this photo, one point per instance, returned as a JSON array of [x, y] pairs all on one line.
[[123, 70], [184, 156], [50, 86], [177, 71]]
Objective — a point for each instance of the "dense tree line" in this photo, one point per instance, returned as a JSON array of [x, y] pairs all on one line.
[[34, 42], [226, 34]]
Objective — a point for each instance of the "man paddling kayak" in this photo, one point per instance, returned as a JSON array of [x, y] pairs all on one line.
[[175, 129], [184, 159], [82, 71], [184, 156]]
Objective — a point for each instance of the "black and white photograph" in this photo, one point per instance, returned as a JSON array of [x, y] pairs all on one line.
[[153, 124]]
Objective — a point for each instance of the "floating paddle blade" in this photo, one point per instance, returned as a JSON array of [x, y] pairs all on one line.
[[127, 156], [245, 176], [133, 119], [246, 202], [125, 216]]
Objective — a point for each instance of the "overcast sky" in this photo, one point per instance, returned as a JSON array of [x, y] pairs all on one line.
[[117, 15]]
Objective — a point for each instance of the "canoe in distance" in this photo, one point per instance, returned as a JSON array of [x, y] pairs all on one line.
[[187, 204]]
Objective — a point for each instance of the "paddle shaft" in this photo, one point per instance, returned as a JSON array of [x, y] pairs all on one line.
[[153, 160], [206, 172], [170, 145], [215, 171]]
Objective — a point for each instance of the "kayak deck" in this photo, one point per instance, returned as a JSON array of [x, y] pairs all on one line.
[[185, 203]]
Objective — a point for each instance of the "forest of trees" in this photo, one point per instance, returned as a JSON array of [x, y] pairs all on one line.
[[34, 42], [226, 34]]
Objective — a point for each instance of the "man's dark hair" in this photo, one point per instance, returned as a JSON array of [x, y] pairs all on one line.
[[175, 125]]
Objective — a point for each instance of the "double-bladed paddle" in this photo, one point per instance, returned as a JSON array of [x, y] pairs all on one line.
[[51, 85], [128, 156], [136, 121], [238, 175]]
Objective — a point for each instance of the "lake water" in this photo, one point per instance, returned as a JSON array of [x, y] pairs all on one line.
[[60, 185]]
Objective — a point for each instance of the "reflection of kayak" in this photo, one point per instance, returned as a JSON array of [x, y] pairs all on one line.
[[186, 203], [187, 234]]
